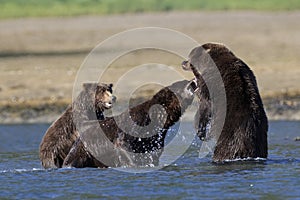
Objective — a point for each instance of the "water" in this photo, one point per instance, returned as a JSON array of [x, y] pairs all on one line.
[[189, 177]]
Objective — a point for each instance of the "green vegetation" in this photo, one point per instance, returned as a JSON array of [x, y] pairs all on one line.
[[44, 8]]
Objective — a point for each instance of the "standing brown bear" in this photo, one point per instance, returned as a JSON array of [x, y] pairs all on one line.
[[134, 137], [60, 136], [244, 133]]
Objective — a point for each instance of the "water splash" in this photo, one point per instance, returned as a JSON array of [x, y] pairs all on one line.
[[21, 170]]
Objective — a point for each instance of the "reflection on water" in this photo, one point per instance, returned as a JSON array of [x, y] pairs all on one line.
[[189, 177]]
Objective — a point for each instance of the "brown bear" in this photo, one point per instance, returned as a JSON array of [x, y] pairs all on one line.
[[61, 135], [244, 133], [132, 144]]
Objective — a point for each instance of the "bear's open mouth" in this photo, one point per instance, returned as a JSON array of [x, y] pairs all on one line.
[[192, 87]]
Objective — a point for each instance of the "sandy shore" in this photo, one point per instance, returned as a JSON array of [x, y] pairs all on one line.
[[39, 58], [284, 108]]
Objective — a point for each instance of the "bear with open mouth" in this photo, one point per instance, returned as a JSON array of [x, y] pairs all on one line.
[[244, 133], [134, 137]]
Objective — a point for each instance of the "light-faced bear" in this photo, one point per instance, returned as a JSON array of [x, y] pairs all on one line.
[[132, 145], [60, 136]]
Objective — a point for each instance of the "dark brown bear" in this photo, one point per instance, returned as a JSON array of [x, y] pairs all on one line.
[[139, 142], [61, 135], [244, 134]]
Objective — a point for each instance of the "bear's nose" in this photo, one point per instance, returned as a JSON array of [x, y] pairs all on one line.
[[184, 63]]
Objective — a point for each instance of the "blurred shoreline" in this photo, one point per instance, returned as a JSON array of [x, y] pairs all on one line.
[[277, 108], [40, 57]]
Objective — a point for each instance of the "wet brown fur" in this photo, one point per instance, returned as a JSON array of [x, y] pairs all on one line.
[[151, 147], [244, 134], [61, 135]]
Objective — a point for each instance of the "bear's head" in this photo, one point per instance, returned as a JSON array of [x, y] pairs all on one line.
[[201, 56], [179, 95], [100, 94], [92, 101]]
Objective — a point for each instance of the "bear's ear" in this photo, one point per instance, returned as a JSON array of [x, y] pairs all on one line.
[[89, 86], [109, 86]]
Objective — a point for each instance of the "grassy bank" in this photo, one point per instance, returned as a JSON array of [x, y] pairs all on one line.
[[45, 8]]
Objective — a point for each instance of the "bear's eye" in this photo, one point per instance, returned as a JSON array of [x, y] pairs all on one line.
[[100, 90]]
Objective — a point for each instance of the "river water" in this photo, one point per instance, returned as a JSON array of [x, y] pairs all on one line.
[[189, 177]]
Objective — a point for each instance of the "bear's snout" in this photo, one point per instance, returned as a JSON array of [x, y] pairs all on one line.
[[186, 65]]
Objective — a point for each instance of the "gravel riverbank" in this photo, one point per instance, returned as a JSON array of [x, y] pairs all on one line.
[[279, 108]]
